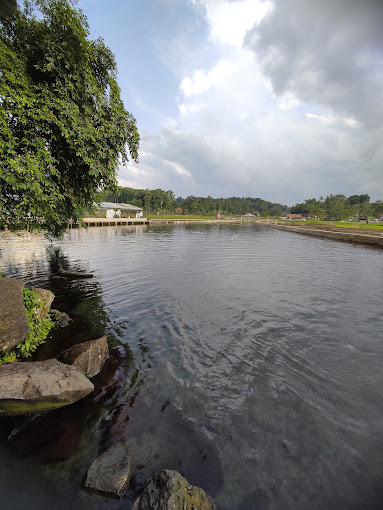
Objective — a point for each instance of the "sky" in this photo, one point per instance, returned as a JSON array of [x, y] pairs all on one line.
[[277, 99]]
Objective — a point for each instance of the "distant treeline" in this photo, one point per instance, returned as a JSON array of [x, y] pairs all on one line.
[[333, 207], [165, 201], [339, 207]]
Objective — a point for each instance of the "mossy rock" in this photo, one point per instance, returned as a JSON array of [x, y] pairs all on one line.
[[25, 312], [168, 490], [14, 325], [40, 386]]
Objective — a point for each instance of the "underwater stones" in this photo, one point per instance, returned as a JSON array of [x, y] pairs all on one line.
[[168, 490], [89, 357], [110, 472], [40, 386], [13, 318]]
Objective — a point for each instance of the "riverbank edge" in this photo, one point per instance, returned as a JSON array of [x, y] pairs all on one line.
[[335, 235]]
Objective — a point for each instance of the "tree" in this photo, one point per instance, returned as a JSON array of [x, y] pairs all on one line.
[[377, 208], [334, 206], [8, 9], [64, 128]]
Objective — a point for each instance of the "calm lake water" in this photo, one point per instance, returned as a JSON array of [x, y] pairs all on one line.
[[247, 358]]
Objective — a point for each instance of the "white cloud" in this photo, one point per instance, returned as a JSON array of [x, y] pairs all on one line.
[[350, 121], [202, 81], [229, 21], [190, 109], [333, 119], [178, 168], [288, 101]]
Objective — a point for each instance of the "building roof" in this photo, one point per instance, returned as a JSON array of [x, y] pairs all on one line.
[[113, 205]]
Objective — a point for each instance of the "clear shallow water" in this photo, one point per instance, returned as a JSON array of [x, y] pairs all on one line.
[[253, 363]]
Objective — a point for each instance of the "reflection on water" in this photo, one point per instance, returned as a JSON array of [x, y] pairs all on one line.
[[247, 358]]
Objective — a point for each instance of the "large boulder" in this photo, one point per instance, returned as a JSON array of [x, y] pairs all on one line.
[[110, 472], [168, 490], [89, 357], [40, 386], [13, 318]]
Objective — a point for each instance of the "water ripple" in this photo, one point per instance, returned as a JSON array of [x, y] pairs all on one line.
[[268, 343]]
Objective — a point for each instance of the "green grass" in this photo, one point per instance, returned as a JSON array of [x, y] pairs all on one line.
[[340, 224]]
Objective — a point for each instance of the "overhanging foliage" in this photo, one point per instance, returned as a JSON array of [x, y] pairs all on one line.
[[64, 128]]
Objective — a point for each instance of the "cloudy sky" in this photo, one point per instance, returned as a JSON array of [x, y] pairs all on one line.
[[278, 99]]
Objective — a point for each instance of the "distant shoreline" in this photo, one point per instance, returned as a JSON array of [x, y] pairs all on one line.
[[161, 221], [374, 238]]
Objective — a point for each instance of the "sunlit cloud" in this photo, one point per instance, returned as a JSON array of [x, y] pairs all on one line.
[[287, 101], [229, 21], [178, 168], [332, 119], [201, 81]]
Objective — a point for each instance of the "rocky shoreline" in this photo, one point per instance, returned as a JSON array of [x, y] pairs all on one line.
[[37, 387]]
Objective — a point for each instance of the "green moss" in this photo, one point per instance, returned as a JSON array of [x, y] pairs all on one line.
[[39, 328], [20, 407]]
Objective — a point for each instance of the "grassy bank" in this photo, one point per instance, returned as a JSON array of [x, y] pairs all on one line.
[[334, 224]]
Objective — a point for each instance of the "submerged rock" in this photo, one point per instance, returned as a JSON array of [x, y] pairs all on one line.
[[113, 376], [60, 319], [89, 357], [110, 472], [73, 274], [13, 318], [40, 386], [168, 490]]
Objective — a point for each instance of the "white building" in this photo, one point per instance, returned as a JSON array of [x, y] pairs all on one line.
[[114, 210]]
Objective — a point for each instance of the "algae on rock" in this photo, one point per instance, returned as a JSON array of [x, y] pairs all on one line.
[[37, 303], [168, 490]]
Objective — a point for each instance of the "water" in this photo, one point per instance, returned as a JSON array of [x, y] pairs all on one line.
[[247, 358]]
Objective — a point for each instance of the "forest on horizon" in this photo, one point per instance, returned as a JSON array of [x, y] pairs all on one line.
[[334, 207]]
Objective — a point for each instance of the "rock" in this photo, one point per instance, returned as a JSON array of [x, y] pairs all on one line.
[[89, 357], [13, 318], [113, 376], [40, 386], [46, 298], [74, 274], [61, 319], [110, 472], [168, 490]]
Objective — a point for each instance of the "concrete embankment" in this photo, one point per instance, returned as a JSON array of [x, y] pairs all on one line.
[[351, 237]]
